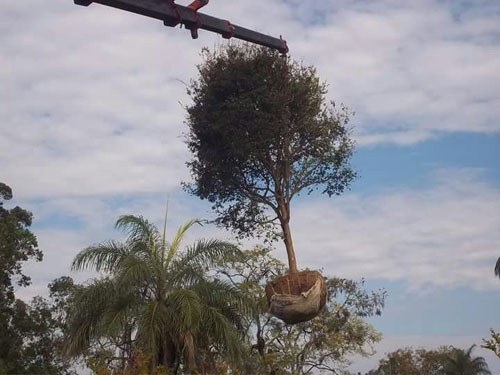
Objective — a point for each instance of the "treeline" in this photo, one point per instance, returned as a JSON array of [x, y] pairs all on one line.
[[164, 308], [445, 360]]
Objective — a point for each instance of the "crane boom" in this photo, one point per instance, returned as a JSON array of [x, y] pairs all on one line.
[[173, 14]]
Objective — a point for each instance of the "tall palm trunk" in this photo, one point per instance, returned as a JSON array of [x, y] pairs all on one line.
[[189, 352]]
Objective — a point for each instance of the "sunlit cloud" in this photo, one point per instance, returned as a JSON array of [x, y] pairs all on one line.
[[92, 99], [446, 235]]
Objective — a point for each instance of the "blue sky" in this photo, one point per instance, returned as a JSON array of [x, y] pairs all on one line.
[[392, 166], [92, 124]]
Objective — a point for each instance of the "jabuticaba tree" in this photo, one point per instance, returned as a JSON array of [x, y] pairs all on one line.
[[261, 131]]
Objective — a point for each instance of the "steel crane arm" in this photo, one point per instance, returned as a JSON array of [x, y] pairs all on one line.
[[172, 14]]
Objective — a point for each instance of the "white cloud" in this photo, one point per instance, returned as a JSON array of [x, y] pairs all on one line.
[[90, 111], [65, 226], [409, 66], [446, 235], [90, 96], [91, 101], [442, 236]]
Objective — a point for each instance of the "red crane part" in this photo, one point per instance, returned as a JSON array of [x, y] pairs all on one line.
[[173, 14]]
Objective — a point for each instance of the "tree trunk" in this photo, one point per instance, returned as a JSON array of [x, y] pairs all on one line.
[[261, 343], [170, 353], [287, 236], [284, 217], [189, 352]]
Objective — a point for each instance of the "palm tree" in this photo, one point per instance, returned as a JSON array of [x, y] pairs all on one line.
[[461, 362], [157, 298]]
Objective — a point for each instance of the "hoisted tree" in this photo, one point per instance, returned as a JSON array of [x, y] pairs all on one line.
[[261, 132]]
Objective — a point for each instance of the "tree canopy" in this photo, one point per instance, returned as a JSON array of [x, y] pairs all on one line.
[[325, 343], [17, 244], [261, 132], [461, 362], [157, 300], [446, 360], [493, 343], [409, 361], [31, 334]]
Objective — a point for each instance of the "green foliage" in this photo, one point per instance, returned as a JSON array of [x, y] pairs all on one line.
[[461, 362], [410, 361], [30, 334], [493, 343], [17, 245], [324, 343], [36, 333], [156, 301], [261, 132], [446, 360]]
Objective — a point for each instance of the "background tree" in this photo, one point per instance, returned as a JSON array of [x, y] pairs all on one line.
[[322, 344], [461, 362], [261, 132], [17, 245], [410, 361], [157, 301], [39, 329], [493, 343], [30, 334]]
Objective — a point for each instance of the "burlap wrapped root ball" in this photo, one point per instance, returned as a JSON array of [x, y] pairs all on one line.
[[296, 297]]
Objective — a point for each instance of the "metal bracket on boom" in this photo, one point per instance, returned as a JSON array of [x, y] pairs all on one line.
[[172, 22], [173, 14]]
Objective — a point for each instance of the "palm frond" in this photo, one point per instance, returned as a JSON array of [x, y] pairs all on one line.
[[152, 325], [174, 246], [469, 351], [137, 272], [119, 312], [186, 275], [461, 361], [105, 256], [185, 310], [97, 294], [205, 253], [218, 327], [164, 237], [139, 230], [480, 366], [226, 297], [80, 335], [85, 318], [142, 248]]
